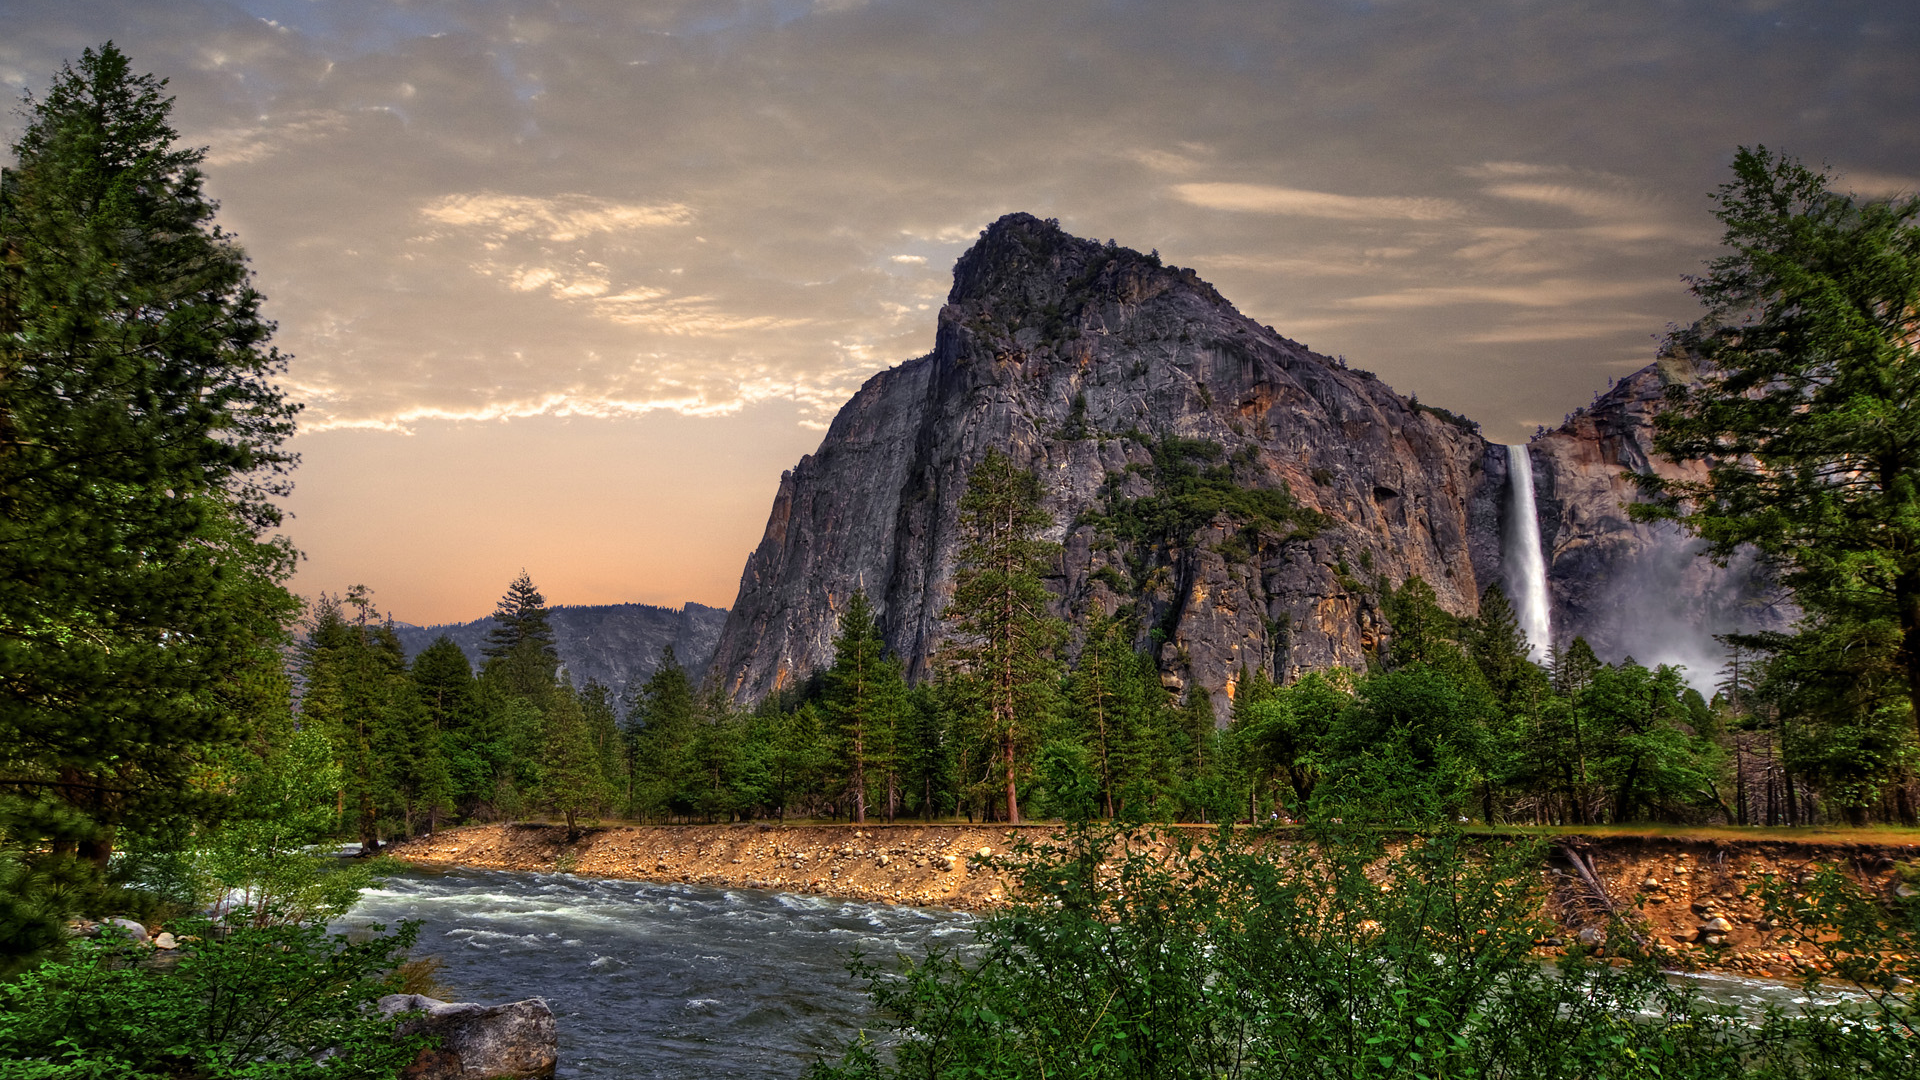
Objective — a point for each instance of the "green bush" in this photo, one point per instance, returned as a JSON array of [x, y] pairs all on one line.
[[280, 1002], [1131, 953]]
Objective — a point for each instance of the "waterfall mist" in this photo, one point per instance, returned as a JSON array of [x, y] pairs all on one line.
[[1526, 566]]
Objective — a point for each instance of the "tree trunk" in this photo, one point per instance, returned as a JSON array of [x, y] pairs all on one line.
[[1013, 801]]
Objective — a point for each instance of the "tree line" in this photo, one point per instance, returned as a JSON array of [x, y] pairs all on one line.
[[1453, 720]]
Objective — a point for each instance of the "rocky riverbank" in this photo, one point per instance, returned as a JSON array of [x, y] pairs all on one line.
[[1689, 895]]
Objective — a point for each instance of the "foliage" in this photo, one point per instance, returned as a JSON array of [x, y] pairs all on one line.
[[1191, 486], [1803, 411], [267, 858], [519, 650], [1006, 637], [573, 781], [1129, 953], [285, 1002], [863, 706], [140, 449]]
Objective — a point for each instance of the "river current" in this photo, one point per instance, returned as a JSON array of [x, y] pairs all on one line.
[[676, 981], [660, 980]]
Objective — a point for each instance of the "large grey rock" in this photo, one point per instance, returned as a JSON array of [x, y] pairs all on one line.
[[1075, 358], [478, 1042]]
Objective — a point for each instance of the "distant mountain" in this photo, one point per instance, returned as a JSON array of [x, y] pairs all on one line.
[[616, 645]]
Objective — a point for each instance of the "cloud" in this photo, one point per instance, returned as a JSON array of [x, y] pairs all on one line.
[[1267, 199], [559, 218], [1574, 330], [1585, 201], [1876, 185], [1537, 294], [256, 143]]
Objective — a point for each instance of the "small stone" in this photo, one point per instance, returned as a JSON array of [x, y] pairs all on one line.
[[1905, 892], [1717, 941], [1701, 907], [165, 941], [126, 926], [986, 853], [1717, 925], [1591, 937], [883, 860]]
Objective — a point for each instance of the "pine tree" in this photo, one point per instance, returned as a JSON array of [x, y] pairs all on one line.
[[660, 725], [519, 650], [571, 781], [603, 728], [1006, 636], [1105, 699], [358, 694], [865, 695], [444, 681], [1498, 645], [140, 451], [1806, 410]]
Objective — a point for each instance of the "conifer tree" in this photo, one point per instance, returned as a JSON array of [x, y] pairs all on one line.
[[1107, 702], [140, 451], [865, 694], [358, 694], [603, 729], [571, 781], [519, 650], [1006, 637], [444, 681], [660, 724], [1806, 410]]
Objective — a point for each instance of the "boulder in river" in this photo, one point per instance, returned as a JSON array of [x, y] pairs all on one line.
[[515, 1041]]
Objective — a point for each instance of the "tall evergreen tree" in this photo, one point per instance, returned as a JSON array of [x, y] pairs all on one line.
[[571, 781], [865, 695], [1108, 703], [1807, 407], [444, 681], [519, 650], [358, 694], [1007, 637], [660, 724], [140, 451]]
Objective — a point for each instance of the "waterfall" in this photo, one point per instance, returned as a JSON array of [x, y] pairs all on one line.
[[1526, 567]]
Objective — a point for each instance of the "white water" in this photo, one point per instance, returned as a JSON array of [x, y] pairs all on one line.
[[1526, 566]]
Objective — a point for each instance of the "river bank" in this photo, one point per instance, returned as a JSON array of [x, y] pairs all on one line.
[[1691, 895]]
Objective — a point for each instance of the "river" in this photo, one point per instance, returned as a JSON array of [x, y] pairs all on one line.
[[653, 980], [659, 980]]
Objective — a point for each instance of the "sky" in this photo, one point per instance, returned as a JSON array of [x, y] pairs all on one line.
[[568, 283]]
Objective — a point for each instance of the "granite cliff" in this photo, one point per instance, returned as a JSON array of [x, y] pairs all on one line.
[[1247, 500], [1633, 589]]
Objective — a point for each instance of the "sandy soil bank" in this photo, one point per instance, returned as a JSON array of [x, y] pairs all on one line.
[[1691, 895]]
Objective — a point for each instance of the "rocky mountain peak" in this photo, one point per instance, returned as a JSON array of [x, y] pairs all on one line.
[[1244, 503], [1240, 496]]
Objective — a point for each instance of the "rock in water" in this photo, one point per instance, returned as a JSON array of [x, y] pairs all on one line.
[[515, 1041]]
